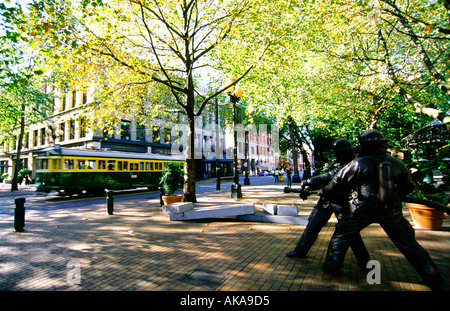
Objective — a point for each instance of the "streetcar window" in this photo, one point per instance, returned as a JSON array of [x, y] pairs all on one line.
[[81, 164], [56, 164], [68, 164], [141, 166], [147, 166], [151, 166], [111, 165], [136, 166], [43, 164], [160, 166], [122, 165], [92, 164], [101, 164]]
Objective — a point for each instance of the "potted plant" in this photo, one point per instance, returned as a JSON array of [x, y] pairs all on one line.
[[428, 202], [427, 210], [171, 181], [4, 176]]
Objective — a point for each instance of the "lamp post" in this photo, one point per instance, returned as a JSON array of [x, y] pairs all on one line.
[[247, 162], [53, 133], [218, 172], [235, 94]]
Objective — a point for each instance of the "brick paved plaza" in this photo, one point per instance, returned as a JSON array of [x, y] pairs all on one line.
[[139, 249]]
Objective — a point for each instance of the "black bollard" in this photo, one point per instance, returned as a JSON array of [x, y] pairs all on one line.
[[161, 193], [19, 214], [109, 202]]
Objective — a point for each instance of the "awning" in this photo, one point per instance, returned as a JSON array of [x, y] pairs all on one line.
[[432, 133], [214, 160]]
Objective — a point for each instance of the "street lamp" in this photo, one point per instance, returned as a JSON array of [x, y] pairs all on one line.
[[247, 162], [218, 173], [235, 93], [53, 133]]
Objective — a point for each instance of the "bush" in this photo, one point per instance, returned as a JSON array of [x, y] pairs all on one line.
[[172, 178]]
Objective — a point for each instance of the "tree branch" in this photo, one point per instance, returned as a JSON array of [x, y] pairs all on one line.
[[221, 91]]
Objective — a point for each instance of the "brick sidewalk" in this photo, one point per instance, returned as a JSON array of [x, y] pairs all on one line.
[[138, 248]]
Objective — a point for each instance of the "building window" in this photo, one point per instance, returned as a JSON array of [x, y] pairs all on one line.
[[140, 132], [25, 142], [72, 129], [42, 136], [35, 138], [74, 99], [84, 98], [156, 138], [63, 132], [125, 130], [14, 142], [167, 134], [63, 103], [106, 134], [83, 127]]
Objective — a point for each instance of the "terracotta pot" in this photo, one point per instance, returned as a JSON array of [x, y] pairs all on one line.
[[172, 199], [425, 217]]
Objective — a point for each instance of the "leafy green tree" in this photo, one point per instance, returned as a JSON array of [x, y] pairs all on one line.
[[141, 55], [22, 100]]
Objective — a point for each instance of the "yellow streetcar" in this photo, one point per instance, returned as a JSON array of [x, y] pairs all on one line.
[[71, 171]]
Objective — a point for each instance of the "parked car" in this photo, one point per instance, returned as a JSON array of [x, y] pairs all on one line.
[[266, 173]]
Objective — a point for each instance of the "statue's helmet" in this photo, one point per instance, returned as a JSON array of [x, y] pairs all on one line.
[[371, 136], [342, 144]]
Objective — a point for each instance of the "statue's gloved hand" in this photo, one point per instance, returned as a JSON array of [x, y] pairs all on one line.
[[305, 192]]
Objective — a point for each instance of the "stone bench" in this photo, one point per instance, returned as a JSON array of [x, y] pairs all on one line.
[[282, 214], [272, 213], [184, 213], [178, 207], [281, 210], [262, 217]]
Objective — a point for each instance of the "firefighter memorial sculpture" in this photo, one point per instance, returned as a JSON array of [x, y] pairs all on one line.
[[377, 183], [322, 211]]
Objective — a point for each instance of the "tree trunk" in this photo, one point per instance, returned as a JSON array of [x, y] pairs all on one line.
[[294, 148], [189, 182], [14, 186], [189, 170], [299, 139], [307, 169]]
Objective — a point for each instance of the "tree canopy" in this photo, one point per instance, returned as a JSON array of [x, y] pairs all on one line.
[[334, 68], [345, 66]]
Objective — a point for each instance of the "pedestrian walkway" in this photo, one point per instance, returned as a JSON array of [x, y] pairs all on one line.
[[140, 249], [5, 189]]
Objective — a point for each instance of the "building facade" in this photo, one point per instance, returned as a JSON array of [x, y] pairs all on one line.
[[67, 127]]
